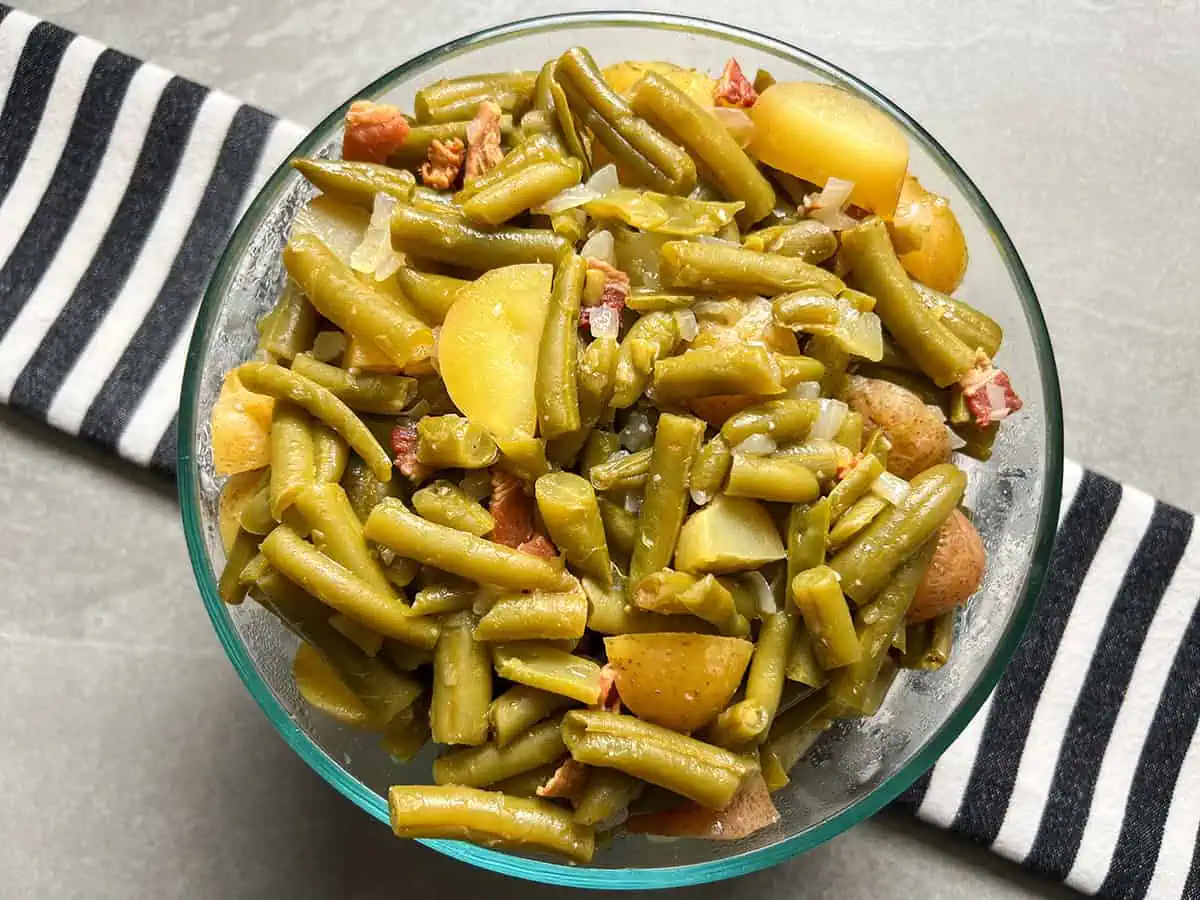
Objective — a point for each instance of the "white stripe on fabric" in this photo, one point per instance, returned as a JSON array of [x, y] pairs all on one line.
[[1132, 725], [14, 32], [283, 138], [1181, 831], [1064, 681], [952, 774], [47, 146], [88, 230], [141, 288], [1072, 476], [158, 405]]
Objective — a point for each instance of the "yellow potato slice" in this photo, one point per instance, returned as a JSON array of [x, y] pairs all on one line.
[[679, 681], [818, 131], [488, 349], [731, 534], [241, 428], [622, 76], [928, 238]]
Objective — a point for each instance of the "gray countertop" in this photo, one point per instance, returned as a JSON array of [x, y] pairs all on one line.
[[132, 761]]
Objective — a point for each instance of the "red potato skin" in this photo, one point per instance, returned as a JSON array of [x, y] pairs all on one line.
[[750, 810], [954, 573]]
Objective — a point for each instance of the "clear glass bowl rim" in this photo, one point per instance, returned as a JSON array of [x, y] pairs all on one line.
[[576, 876]]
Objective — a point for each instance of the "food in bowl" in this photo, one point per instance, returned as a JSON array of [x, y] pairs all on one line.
[[602, 436]]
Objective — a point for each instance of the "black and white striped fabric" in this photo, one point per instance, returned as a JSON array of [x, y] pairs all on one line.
[[118, 186]]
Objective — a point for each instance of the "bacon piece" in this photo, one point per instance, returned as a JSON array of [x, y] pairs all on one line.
[[404, 450], [443, 163], [567, 780], [373, 131], [750, 810], [615, 293], [483, 139], [610, 700], [988, 392], [733, 88], [512, 509], [539, 545]]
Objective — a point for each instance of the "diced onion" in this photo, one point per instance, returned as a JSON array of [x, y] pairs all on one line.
[[859, 333], [891, 488], [374, 254], [828, 206], [805, 390], [570, 198], [829, 420], [764, 597], [604, 179], [700, 498], [689, 328], [638, 433], [757, 445], [956, 443], [737, 122], [600, 246], [758, 316], [633, 502], [604, 322]]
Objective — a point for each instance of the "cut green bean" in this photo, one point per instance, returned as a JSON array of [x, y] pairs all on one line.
[[808, 240], [783, 421], [445, 237], [826, 617], [521, 191], [488, 763], [363, 489], [454, 442], [438, 599], [620, 527], [452, 99], [538, 148], [356, 182], [366, 639], [382, 394], [720, 268], [549, 669], [622, 471], [337, 532], [709, 371], [462, 684], [330, 454], [244, 549], [290, 327], [611, 614], [415, 148], [446, 504], [741, 724], [854, 520], [606, 795], [854, 485], [710, 470], [821, 457], [595, 383], [768, 667], [569, 509], [293, 467], [652, 337], [975, 329], [431, 295], [537, 615], [711, 601], [850, 432], [519, 708], [778, 478], [556, 386]]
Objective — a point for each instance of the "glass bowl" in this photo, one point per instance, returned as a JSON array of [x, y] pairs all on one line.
[[857, 768]]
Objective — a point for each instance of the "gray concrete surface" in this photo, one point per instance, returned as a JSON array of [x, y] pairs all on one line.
[[132, 762]]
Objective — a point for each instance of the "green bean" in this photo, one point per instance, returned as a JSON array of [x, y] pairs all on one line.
[[877, 623], [448, 238], [974, 328], [807, 528], [382, 394], [384, 693], [632, 142], [808, 240], [548, 668], [451, 99], [710, 470], [802, 664], [368, 641], [527, 784], [406, 657], [330, 454], [701, 772], [460, 553], [489, 818], [338, 587], [488, 763], [651, 338], [720, 268], [739, 725], [620, 527], [878, 689], [821, 457], [645, 303], [783, 421], [407, 733], [356, 182], [438, 599], [854, 520], [879, 445], [805, 309], [778, 478], [850, 432], [363, 489], [568, 506], [676, 443], [796, 369], [526, 457], [826, 616], [979, 441], [916, 642], [353, 305], [854, 484], [399, 572], [733, 172], [446, 504], [931, 650], [291, 325], [337, 532], [606, 795], [556, 387], [709, 371], [292, 464], [538, 615], [521, 191], [768, 667], [462, 684], [711, 601], [659, 591], [431, 295], [597, 368], [229, 585], [420, 138], [539, 148], [834, 358], [920, 333], [790, 739], [519, 708], [253, 570], [745, 598], [256, 515], [869, 561], [454, 442], [622, 471]]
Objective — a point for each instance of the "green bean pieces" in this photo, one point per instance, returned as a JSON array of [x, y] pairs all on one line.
[[447, 504], [447, 238], [454, 442], [462, 684], [826, 616], [720, 268], [382, 394], [571, 513], [556, 386]]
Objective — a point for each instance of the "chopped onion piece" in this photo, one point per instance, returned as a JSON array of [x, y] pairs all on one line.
[[638, 433], [604, 321], [755, 320], [859, 333], [764, 597], [570, 198], [891, 488], [737, 122], [604, 179], [600, 246], [805, 390], [700, 498], [633, 502], [374, 254], [936, 410], [828, 206], [689, 328], [757, 445], [829, 420], [956, 443]]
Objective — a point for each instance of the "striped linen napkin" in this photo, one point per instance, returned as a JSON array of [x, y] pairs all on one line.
[[118, 185]]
